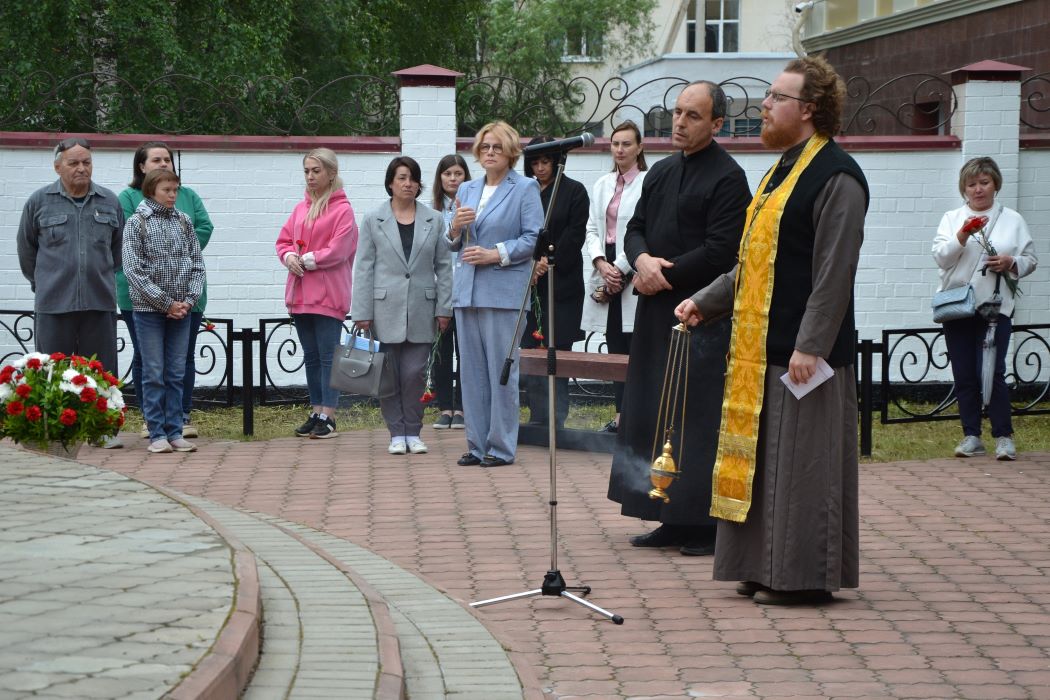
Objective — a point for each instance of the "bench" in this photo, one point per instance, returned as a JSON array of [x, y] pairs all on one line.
[[578, 365]]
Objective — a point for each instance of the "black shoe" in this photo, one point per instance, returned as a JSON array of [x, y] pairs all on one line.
[[663, 536], [468, 460], [768, 596], [306, 428], [749, 588], [324, 429], [610, 427], [444, 422], [490, 461], [698, 549]]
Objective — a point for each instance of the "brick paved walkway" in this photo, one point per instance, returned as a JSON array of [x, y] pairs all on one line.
[[954, 600]]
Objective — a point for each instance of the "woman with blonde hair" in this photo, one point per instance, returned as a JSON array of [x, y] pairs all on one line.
[[494, 230], [317, 245]]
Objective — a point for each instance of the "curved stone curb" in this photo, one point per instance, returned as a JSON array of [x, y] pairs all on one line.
[[391, 682], [224, 671]]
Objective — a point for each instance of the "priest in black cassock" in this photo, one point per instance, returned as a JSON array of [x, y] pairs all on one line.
[[685, 232]]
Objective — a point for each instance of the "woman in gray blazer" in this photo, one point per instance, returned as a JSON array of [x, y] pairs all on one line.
[[494, 230], [402, 292]]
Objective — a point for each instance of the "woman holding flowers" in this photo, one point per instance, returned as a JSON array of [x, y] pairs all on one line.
[[986, 245], [402, 294], [317, 245], [498, 217], [165, 270]]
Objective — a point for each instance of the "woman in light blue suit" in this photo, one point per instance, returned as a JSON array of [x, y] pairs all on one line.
[[494, 230], [402, 289]]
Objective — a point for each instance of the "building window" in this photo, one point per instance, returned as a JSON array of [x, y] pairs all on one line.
[[579, 46], [720, 20]]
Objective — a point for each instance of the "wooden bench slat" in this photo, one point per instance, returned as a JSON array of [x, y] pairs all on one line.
[[580, 365]]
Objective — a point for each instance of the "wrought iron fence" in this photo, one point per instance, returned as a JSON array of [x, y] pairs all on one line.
[[183, 104], [1035, 101], [914, 386], [913, 103], [915, 360], [213, 355]]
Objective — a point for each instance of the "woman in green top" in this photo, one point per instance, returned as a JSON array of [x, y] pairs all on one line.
[[156, 155]]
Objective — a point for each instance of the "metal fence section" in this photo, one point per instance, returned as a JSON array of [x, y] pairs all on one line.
[[914, 383]]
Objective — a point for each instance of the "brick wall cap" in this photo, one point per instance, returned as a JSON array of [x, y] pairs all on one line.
[[987, 70], [426, 75]]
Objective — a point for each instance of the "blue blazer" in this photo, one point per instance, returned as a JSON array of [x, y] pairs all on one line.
[[513, 216]]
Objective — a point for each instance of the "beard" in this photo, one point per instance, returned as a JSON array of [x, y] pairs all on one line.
[[778, 138]]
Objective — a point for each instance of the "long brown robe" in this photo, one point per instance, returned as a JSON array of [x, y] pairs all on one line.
[[801, 532]]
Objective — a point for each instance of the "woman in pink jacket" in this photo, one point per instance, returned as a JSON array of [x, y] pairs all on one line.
[[317, 245]]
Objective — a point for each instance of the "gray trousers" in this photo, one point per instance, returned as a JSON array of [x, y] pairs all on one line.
[[403, 411], [490, 409], [84, 333]]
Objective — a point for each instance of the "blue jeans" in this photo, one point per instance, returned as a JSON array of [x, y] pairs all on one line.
[[162, 343], [319, 335], [190, 376]]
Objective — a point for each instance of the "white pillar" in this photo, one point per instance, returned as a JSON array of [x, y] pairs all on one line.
[[428, 116], [988, 118]]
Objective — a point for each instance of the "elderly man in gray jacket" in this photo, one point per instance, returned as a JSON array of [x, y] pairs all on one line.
[[69, 249]]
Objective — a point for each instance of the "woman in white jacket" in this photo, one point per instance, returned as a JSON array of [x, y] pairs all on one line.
[[963, 260], [610, 301]]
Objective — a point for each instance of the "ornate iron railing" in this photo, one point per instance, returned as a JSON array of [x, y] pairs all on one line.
[[916, 381], [281, 361], [183, 104], [916, 102], [1035, 101], [213, 355]]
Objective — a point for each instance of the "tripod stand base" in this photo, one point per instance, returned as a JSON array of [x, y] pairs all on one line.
[[554, 585]]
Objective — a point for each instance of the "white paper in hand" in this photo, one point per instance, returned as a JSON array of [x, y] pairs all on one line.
[[822, 374]]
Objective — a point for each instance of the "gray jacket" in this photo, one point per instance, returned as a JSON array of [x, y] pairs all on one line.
[[70, 252]]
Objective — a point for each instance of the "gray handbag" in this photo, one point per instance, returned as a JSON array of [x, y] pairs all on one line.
[[357, 370], [953, 304]]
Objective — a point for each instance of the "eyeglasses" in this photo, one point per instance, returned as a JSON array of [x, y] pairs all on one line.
[[780, 97], [494, 147], [66, 144]]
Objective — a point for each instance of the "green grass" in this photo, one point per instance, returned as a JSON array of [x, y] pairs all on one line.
[[890, 443]]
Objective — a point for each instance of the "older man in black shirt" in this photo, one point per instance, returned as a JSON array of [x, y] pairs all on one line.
[[685, 233]]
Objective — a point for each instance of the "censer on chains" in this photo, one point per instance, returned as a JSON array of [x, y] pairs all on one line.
[[672, 406]]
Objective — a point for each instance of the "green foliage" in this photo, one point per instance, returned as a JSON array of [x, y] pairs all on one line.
[[278, 66]]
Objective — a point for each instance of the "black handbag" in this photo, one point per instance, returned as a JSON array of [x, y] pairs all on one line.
[[357, 370]]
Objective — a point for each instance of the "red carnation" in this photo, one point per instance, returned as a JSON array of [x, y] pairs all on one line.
[[33, 414], [110, 378], [102, 405], [121, 421], [974, 224], [88, 395], [301, 243], [78, 361], [33, 363], [68, 417], [24, 390], [96, 365], [15, 408], [58, 356], [427, 397], [209, 326], [79, 380], [537, 335]]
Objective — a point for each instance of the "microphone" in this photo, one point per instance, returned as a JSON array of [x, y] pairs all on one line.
[[559, 146]]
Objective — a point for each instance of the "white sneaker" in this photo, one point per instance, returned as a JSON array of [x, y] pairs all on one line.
[[971, 446], [397, 446], [1005, 450], [416, 446], [182, 445], [112, 442], [161, 445], [144, 433], [189, 430]]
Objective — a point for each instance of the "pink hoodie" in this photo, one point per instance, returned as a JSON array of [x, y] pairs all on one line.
[[332, 238]]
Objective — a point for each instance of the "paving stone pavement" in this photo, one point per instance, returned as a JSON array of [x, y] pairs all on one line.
[[954, 600], [108, 589]]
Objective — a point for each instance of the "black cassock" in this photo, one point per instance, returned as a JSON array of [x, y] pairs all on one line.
[[691, 212]]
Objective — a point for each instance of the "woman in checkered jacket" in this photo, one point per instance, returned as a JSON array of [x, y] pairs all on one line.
[[165, 270]]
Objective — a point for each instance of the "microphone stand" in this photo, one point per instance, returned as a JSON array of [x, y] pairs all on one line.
[[553, 581]]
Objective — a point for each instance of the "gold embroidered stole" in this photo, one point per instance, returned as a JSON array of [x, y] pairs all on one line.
[[734, 469]]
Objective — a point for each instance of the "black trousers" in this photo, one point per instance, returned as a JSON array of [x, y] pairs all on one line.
[[446, 381]]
